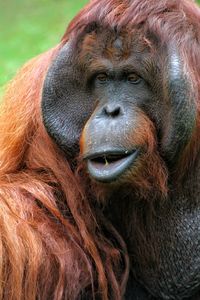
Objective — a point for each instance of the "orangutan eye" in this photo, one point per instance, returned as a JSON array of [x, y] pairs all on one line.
[[133, 78], [102, 77]]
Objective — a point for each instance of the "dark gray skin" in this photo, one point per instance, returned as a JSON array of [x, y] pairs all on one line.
[[176, 227], [70, 99]]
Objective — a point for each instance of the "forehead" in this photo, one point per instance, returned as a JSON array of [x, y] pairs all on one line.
[[113, 46]]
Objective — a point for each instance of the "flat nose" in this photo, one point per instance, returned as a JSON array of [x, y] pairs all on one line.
[[112, 110]]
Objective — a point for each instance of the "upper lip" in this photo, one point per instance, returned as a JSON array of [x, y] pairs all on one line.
[[108, 153]]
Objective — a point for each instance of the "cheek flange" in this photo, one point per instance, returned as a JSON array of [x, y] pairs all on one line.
[[65, 105], [182, 117]]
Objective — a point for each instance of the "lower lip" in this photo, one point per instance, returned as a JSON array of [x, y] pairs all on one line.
[[110, 172]]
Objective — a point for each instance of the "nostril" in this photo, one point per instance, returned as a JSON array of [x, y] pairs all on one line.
[[112, 111]]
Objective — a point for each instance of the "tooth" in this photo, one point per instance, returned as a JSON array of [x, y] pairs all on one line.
[[106, 162]]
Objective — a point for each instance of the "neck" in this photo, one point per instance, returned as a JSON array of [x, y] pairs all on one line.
[[161, 235]]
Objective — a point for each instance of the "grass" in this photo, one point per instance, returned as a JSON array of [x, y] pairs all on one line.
[[28, 28]]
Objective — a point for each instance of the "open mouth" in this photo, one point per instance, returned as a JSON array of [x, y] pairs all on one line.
[[108, 166]]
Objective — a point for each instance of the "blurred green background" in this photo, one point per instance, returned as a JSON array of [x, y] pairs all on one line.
[[29, 27]]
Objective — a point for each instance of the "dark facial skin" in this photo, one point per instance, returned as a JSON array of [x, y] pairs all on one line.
[[118, 90], [110, 86], [116, 80]]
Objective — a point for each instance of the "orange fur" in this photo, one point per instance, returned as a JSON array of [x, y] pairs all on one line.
[[47, 253]]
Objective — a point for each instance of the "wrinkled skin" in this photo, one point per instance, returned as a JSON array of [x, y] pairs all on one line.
[[126, 105]]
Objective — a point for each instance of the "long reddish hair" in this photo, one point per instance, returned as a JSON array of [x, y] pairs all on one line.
[[51, 240], [55, 243]]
